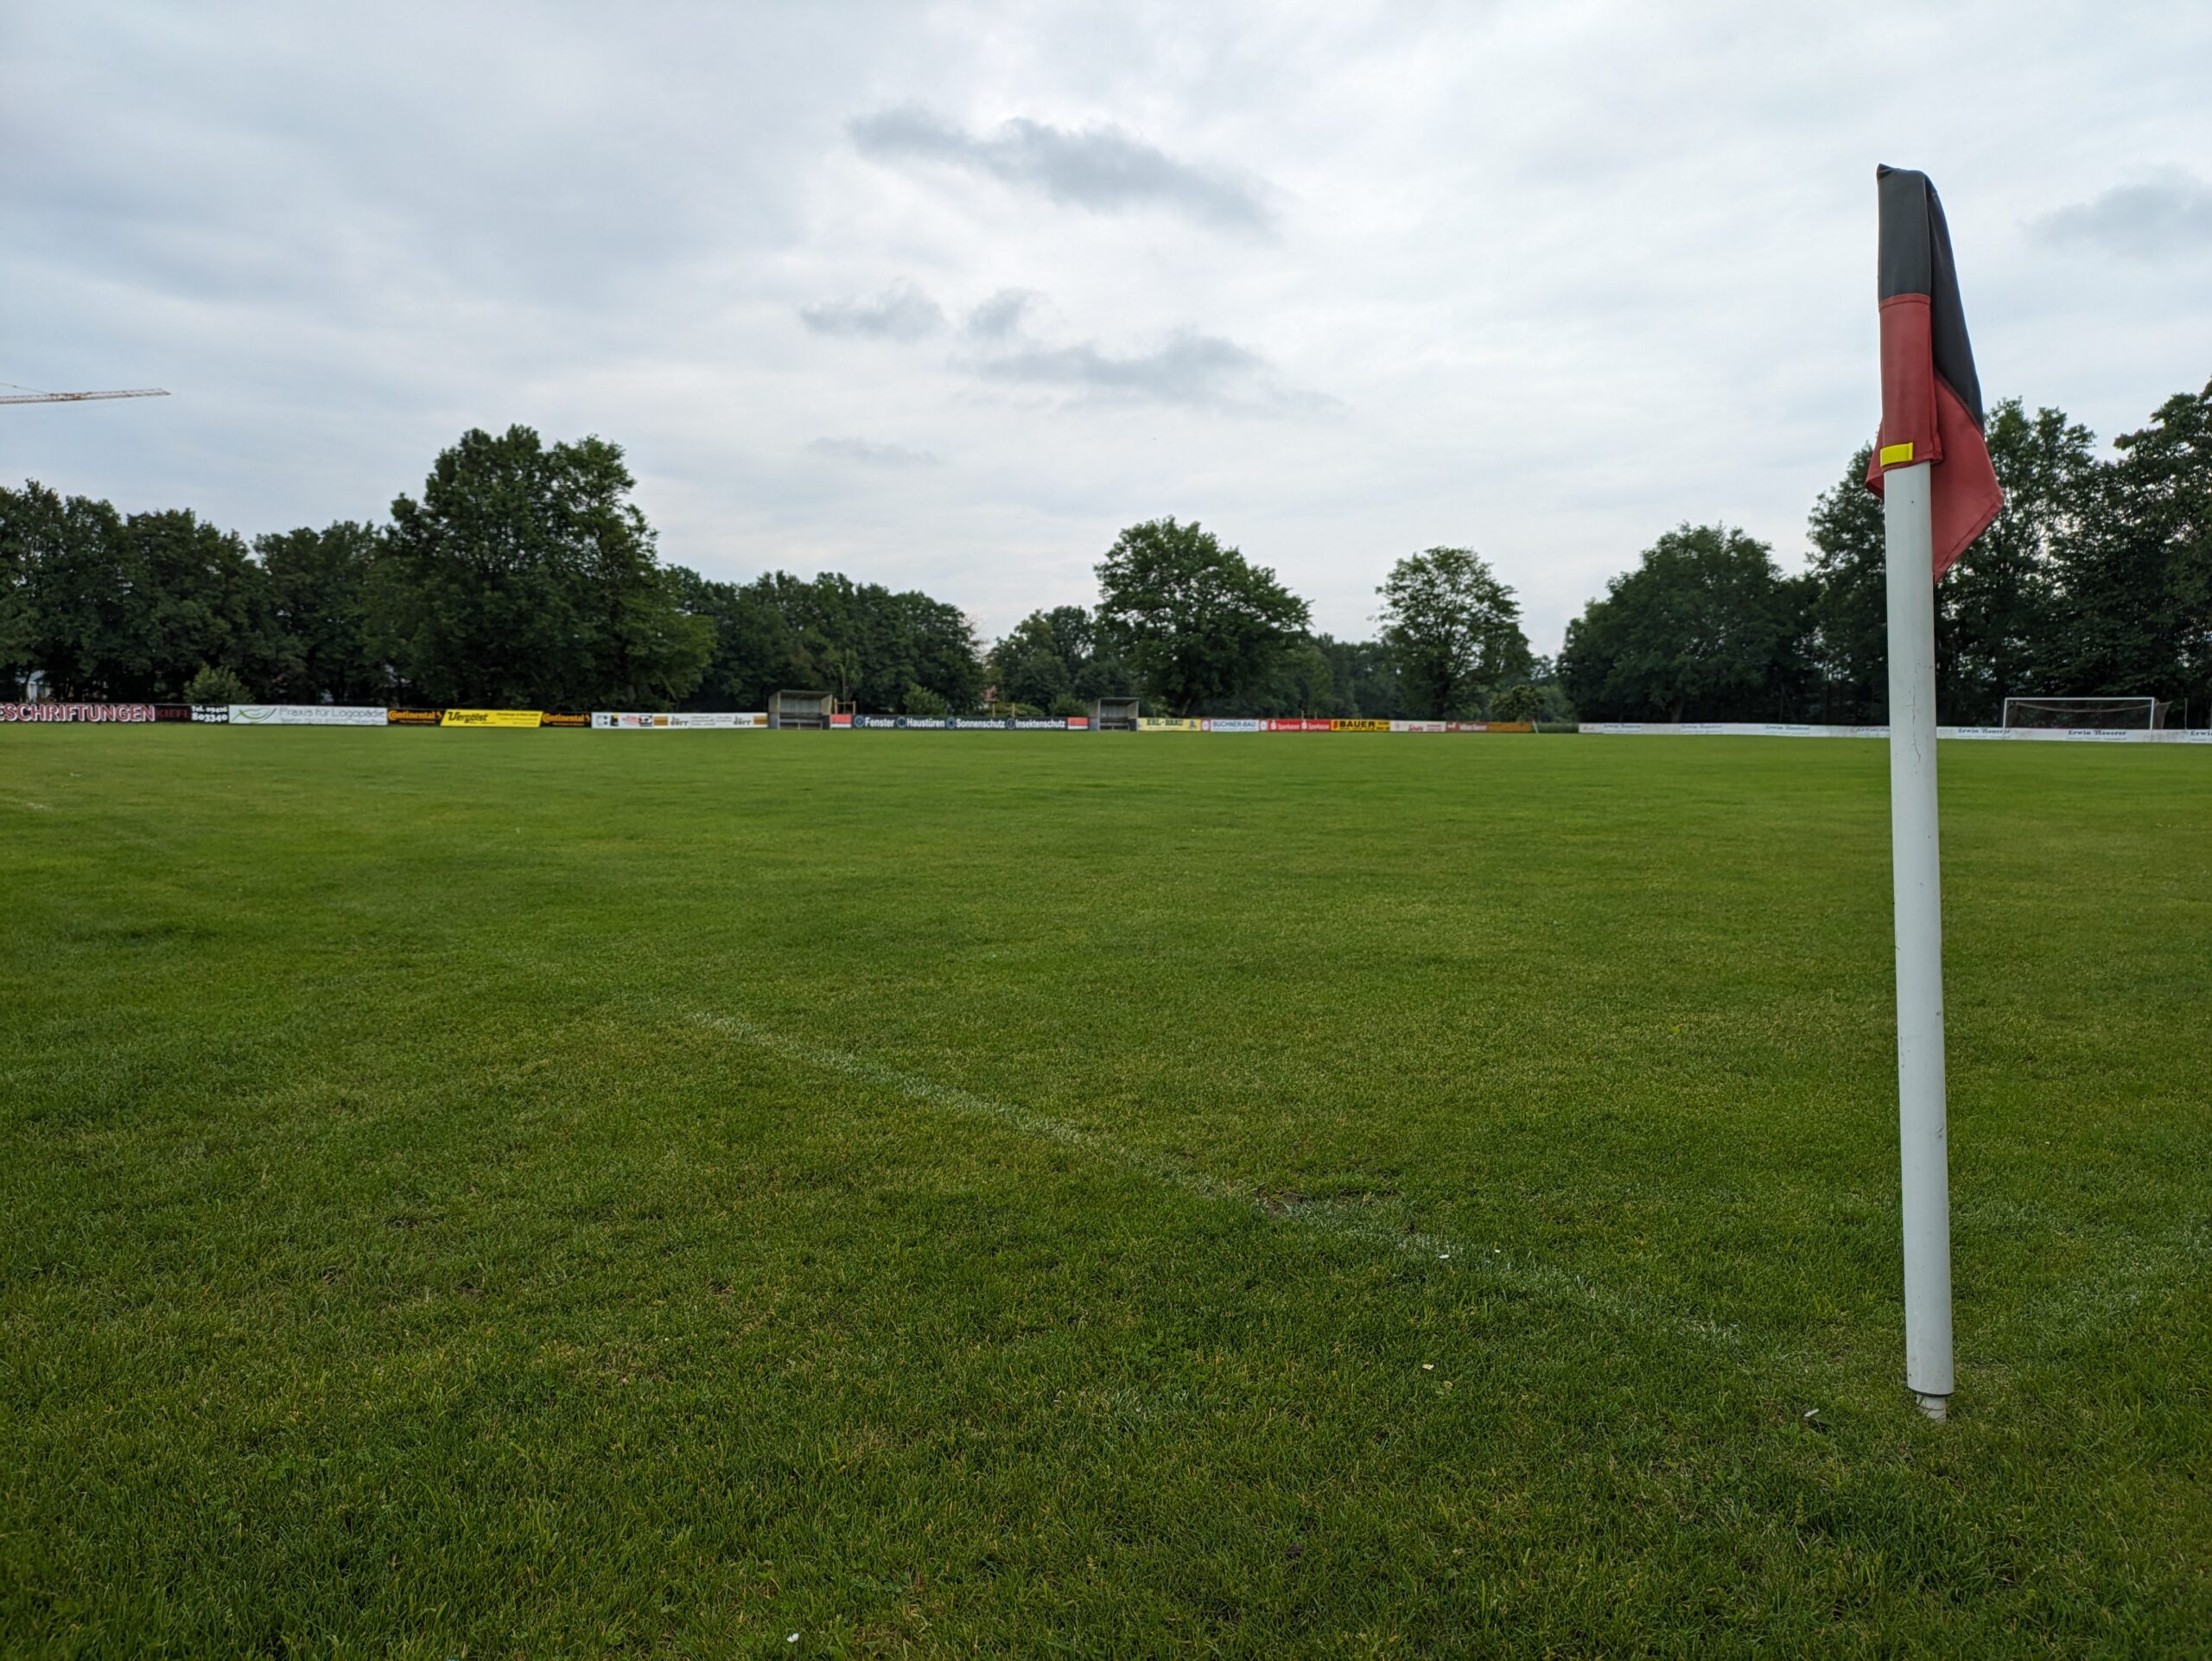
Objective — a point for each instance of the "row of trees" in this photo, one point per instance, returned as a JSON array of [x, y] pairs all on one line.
[[1197, 629], [524, 575], [2096, 580]]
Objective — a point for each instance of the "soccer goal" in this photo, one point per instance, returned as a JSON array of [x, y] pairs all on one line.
[[2102, 713]]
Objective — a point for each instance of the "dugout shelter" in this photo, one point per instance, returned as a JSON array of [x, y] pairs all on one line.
[[800, 708]]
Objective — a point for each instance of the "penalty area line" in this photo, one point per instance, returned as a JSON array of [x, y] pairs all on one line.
[[1330, 1218]]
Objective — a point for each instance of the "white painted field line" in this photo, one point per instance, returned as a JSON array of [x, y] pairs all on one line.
[[1326, 1217]]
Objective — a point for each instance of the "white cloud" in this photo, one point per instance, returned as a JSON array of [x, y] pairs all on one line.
[[1099, 168], [901, 312], [869, 454], [2173, 215]]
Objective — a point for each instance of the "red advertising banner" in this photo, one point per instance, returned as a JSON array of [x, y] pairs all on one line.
[[76, 712], [1296, 726]]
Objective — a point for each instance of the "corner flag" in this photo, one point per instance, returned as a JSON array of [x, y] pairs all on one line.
[[1939, 493], [1931, 398]]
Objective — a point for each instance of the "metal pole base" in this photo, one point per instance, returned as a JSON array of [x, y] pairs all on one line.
[[1938, 1408]]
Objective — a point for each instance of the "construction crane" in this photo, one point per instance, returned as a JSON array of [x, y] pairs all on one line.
[[28, 395]]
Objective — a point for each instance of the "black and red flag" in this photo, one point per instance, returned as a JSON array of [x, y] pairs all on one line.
[[1931, 398]]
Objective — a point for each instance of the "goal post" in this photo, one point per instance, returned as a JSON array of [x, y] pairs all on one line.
[[2135, 714]]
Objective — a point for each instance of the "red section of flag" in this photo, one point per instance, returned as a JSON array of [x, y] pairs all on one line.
[[1908, 380], [1964, 495]]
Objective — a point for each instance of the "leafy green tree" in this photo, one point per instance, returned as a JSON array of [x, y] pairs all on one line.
[[317, 585], [1367, 685], [1999, 601], [1060, 657], [1698, 631], [526, 577], [215, 685], [40, 538], [1456, 630], [1520, 702], [1553, 702], [2134, 576], [1848, 643], [1300, 680], [1195, 620], [920, 700], [1995, 610], [199, 599], [105, 606], [1040, 656], [755, 645], [860, 641]]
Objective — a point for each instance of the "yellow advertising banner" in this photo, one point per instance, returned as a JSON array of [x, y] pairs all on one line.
[[1359, 725], [1169, 724], [492, 718]]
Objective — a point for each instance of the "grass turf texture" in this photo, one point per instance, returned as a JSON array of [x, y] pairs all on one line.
[[547, 1193]]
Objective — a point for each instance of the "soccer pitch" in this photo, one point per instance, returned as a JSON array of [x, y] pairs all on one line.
[[562, 1194]]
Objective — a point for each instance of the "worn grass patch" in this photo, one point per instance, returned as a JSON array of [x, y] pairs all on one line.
[[483, 1193]]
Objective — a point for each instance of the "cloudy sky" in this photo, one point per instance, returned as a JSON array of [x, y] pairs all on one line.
[[943, 297]]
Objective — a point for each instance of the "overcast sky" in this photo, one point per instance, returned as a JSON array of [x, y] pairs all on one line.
[[943, 297]]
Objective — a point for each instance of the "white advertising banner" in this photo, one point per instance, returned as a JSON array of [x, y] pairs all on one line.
[[1218, 724], [304, 715], [2015, 735], [677, 719]]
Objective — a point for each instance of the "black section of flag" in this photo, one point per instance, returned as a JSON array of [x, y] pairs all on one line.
[[1916, 258]]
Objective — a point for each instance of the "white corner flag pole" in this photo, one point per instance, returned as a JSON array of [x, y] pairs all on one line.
[[1916, 877]]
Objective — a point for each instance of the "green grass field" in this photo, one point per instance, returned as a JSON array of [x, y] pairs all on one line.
[[548, 1193]]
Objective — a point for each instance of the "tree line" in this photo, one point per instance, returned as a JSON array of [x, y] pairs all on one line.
[[524, 575], [2096, 580]]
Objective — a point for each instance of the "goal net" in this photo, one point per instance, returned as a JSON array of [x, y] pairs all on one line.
[[2098, 712]]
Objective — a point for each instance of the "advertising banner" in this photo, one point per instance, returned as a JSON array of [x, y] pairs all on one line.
[[412, 718], [1078, 723], [1224, 724], [551, 719], [305, 715], [1359, 725], [1421, 727], [1295, 724], [677, 719], [492, 718], [76, 712], [171, 712], [1040, 723], [841, 721], [979, 725], [1509, 726], [217, 714], [1168, 724], [1732, 729]]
